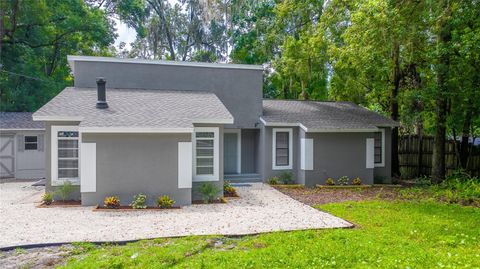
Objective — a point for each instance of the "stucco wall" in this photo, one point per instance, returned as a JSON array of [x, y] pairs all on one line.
[[266, 138], [128, 164], [338, 154], [239, 89]]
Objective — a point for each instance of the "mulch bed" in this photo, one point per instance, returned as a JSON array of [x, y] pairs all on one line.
[[229, 195], [129, 208], [200, 202], [316, 196], [67, 203]]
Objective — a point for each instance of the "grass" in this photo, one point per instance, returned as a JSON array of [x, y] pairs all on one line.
[[390, 234]]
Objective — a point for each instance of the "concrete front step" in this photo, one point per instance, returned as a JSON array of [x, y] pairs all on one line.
[[242, 178]]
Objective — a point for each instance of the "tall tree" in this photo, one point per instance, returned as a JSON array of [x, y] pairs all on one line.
[[36, 37]]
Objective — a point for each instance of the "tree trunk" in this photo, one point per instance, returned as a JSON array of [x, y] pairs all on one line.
[[396, 75], [443, 38]]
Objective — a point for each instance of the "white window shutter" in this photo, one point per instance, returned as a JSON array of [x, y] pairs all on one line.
[[185, 165], [306, 154], [88, 167], [370, 153]]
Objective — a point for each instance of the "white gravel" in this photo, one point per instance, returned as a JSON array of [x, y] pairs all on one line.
[[259, 209]]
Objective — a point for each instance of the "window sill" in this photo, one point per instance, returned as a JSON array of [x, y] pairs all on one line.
[[282, 167]]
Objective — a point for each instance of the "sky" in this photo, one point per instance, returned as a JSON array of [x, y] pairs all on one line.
[[125, 34]]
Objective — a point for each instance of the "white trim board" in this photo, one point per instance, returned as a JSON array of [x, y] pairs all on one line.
[[239, 146], [369, 152], [319, 130], [216, 155], [290, 148], [88, 167], [306, 154], [185, 165]]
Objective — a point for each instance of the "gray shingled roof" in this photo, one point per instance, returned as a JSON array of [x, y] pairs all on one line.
[[19, 121], [322, 115], [137, 108]]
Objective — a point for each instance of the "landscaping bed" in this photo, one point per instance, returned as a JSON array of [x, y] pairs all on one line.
[[336, 194], [129, 208]]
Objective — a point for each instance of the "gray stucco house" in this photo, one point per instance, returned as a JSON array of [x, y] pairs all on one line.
[[164, 127]]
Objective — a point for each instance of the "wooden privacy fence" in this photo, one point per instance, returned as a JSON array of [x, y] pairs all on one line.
[[415, 156]]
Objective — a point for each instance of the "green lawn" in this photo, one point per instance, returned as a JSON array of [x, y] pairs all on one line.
[[389, 235]]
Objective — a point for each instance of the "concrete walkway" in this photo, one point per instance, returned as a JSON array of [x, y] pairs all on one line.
[[260, 209]]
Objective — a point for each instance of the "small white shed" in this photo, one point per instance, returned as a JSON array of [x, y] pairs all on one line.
[[22, 144]]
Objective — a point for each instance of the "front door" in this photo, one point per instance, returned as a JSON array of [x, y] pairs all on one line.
[[231, 152]]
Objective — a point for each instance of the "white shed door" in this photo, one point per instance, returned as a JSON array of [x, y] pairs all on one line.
[[7, 156]]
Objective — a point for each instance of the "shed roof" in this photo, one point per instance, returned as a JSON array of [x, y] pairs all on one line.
[[322, 116], [19, 121], [136, 109]]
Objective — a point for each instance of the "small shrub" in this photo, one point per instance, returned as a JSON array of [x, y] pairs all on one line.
[[357, 181], [165, 201], [65, 190], [209, 192], [343, 180], [273, 181], [286, 178], [228, 189], [112, 202], [330, 181], [139, 201], [47, 198]]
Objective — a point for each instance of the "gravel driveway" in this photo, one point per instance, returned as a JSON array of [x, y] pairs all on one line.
[[259, 209]]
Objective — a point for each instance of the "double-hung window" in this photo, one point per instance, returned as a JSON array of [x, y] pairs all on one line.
[[65, 155], [282, 148], [206, 150], [31, 142], [379, 148]]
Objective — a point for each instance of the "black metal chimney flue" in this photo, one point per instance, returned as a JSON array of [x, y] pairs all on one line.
[[101, 94]]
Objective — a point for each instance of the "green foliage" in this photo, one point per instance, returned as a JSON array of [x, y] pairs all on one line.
[[273, 180], [330, 181], [357, 181], [457, 188], [65, 190], [165, 201], [35, 42], [228, 189], [209, 192], [286, 177], [139, 201], [47, 198], [112, 202], [343, 180], [433, 235]]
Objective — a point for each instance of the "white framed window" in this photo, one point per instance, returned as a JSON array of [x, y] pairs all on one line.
[[282, 153], [379, 148], [65, 155], [30, 142], [206, 154]]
